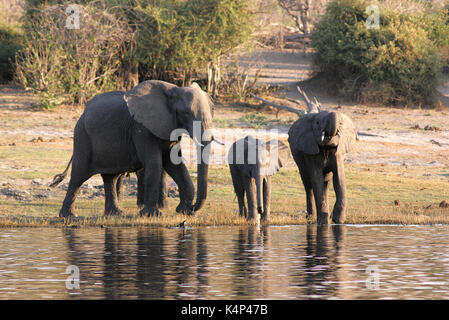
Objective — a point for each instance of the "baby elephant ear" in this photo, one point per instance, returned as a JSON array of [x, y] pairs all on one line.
[[148, 105], [273, 162], [300, 135], [348, 134]]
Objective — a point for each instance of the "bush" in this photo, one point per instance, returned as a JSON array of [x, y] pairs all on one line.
[[10, 43], [73, 63], [398, 63], [167, 40], [178, 39]]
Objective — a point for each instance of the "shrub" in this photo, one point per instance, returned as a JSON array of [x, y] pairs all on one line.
[[73, 63], [167, 40], [10, 43], [398, 63], [178, 39]]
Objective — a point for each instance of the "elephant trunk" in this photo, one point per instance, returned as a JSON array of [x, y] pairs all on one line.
[[203, 153], [259, 191], [332, 124]]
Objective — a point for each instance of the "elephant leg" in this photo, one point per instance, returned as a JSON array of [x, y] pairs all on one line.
[[152, 180], [119, 186], [266, 198], [327, 179], [250, 190], [339, 181], [140, 188], [110, 191], [318, 192], [77, 177], [310, 199], [180, 175], [162, 202], [304, 172], [239, 191]]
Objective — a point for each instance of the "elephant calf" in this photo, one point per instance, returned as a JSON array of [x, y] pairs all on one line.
[[318, 142], [252, 163]]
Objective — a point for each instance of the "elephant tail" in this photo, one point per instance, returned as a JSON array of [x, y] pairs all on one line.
[[57, 179]]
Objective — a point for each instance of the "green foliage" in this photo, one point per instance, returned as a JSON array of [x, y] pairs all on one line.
[[72, 63], [255, 120], [10, 43], [177, 39], [397, 63], [170, 40]]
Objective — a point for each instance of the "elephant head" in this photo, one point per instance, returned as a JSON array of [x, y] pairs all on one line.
[[163, 107], [323, 129]]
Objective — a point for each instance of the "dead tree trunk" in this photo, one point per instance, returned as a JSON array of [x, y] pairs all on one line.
[[213, 78]]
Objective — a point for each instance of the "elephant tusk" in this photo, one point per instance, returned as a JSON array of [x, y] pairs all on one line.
[[217, 141], [197, 142], [322, 136]]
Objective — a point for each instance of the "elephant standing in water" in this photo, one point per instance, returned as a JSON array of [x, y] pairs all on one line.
[[319, 142], [123, 132], [251, 169]]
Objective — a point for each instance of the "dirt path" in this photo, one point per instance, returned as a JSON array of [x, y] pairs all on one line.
[[386, 135]]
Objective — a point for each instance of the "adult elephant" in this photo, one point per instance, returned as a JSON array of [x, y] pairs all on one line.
[[123, 132], [318, 142]]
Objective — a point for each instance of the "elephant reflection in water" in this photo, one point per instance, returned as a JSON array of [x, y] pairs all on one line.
[[169, 259], [250, 275], [112, 265], [324, 253]]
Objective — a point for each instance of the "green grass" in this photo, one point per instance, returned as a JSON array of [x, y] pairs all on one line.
[[255, 120], [371, 196], [223, 123], [33, 161]]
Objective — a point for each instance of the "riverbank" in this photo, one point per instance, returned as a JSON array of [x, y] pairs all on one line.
[[397, 174], [376, 195]]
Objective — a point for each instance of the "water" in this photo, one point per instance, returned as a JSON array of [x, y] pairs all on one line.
[[290, 262]]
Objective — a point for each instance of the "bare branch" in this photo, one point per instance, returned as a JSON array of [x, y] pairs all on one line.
[[313, 107], [277, 106]]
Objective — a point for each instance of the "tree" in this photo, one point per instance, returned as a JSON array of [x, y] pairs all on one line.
[[305, 13]]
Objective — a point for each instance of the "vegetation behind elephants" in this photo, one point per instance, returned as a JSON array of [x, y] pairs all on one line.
[[398, 172]]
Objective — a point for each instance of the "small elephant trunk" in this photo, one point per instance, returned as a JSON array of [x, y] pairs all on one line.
[[259, 192]]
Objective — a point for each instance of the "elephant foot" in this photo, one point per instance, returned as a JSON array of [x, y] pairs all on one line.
[[113, 212], [186, 209], [265, 217], [310, 218], [162, 204], [67, 213], [339, 219], [322, 218], [150, 212]]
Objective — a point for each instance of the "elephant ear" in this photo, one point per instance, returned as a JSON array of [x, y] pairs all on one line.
[[148, 105], [273, 163], [300, 135], [348, 135]]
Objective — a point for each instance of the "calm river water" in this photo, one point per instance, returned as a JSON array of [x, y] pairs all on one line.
[[289, 262]]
